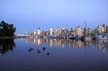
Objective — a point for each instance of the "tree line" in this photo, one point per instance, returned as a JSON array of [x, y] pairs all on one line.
[[6, 29]]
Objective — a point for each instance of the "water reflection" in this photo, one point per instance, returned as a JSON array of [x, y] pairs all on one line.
[[57, 53], [102, 44], [62, 42], [70, 43], [6, 45]]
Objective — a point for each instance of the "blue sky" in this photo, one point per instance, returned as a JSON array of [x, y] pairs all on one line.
[[27, 15]]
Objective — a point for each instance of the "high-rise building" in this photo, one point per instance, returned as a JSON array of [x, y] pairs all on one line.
[[38, 31], [102, 29], [107, 29], [57, 32], [51, 31], [78, 31]]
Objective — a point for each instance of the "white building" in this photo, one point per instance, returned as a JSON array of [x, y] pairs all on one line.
[[102, 29], [57, 32], [51, 31], [78, 31], [38, 31]]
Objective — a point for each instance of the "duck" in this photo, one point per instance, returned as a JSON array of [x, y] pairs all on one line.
[[30, 49], [43, 48]]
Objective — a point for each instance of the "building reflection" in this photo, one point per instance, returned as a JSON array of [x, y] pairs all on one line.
[[6, 45], [62, 42], [102, 44], [78, 44], [71, 43]]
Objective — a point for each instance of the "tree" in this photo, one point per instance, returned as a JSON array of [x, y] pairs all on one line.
[[7, 29]]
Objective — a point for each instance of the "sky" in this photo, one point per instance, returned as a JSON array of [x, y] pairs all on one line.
[[28, 15]]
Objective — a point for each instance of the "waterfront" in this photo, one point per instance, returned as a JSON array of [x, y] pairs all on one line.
[[53, 54]]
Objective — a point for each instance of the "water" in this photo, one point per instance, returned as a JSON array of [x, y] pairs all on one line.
[[52, 54]]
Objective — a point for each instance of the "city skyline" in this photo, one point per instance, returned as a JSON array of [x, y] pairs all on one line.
[[28, 15]]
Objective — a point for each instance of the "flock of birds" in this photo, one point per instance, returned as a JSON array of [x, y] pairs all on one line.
[[39, 51]]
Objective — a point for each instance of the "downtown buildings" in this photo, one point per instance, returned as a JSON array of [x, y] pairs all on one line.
[[102, 32], [63, 32], [72, 33]]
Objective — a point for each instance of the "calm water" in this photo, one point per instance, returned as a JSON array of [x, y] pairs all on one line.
[[53, 54]]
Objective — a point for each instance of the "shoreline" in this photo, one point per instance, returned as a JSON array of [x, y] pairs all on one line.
[[7, 37]]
